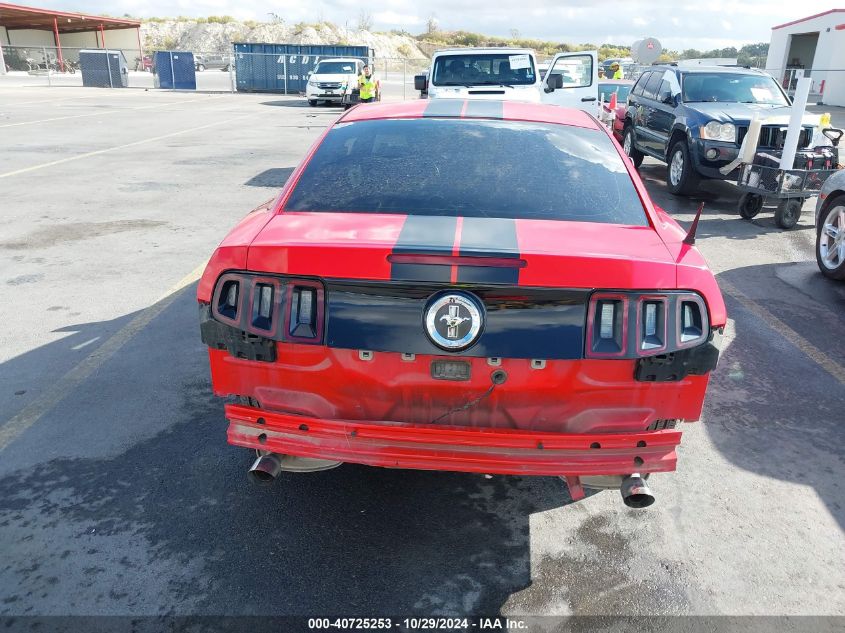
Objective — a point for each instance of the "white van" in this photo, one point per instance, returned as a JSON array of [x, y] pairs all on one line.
[[512, 74], [332, 78]]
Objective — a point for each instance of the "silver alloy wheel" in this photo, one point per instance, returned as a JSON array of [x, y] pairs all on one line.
[[832, 238], [676, 168], [627, 144]]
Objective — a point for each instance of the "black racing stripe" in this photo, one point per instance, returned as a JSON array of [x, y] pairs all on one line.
[[444, 108], [425, 235], [484, 110], [489, 237]]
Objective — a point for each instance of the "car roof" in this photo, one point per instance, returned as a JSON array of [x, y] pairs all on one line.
[[740, 70], [470, 109], [482, 49]]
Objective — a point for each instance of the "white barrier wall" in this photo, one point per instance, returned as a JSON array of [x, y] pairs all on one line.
[[28, 37], [121, 38], [90, 39]]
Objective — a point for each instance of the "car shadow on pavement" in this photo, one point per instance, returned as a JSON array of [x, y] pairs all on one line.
[[275, 177], [771, 409], [125, 498]]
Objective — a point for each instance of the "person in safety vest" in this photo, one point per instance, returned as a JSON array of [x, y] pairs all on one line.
[[616, 71], [367, 85]]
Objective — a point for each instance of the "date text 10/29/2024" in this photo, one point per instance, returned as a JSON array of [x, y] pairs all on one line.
[[418, 624]]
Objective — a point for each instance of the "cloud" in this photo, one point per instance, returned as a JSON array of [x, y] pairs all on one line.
[[392, 18], [677, 25]]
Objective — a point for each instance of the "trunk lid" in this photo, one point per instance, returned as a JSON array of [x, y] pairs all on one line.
[[554, 254]]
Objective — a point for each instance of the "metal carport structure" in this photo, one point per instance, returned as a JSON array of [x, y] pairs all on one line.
[[15, 17]]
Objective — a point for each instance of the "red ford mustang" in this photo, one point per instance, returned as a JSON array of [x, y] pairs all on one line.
[[463, 285]]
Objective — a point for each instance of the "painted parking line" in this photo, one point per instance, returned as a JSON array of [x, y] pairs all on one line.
[[107, 112], [151, 139], [824, 361], [60, 389], [23, 103]]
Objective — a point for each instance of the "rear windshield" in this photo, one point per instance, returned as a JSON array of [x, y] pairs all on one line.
[[732, 88], [484, 69], [334, 68], [471, 168]]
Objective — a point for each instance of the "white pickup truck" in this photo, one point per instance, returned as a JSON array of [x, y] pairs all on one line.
[[512, 74]]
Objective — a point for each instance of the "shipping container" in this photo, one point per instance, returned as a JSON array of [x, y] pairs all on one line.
[[285, 67], [175, 70]]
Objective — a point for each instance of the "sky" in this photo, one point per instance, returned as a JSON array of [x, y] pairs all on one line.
[[678, 24]]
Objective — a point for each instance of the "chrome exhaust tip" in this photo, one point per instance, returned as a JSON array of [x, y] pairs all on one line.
[[265, 469], [635, 492]]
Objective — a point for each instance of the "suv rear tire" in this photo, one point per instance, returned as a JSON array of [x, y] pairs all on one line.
[[633, 153], [681, 178]]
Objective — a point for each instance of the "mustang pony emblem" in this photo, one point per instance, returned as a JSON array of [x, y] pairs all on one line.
[[453, 320]]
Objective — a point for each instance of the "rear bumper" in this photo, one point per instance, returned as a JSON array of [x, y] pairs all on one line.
[[464, 449], [322, 95]]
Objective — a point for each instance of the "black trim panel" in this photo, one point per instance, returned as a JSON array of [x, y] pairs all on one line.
[[675, 366], [520, 322], [238, 343]]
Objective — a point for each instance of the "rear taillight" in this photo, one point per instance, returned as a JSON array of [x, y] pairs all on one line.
[[304, 318], [227, 300], [692, 325], [652, 313], [659, 323], [607, 326], [272, 307]]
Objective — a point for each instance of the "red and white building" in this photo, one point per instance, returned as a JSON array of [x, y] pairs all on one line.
[[32, 27], [816, 46]]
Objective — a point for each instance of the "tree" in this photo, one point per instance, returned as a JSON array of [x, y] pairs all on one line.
[[365, 21], [515, 34], [431, 25]]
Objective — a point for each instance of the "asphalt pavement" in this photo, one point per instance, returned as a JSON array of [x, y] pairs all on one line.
[[120, 496]]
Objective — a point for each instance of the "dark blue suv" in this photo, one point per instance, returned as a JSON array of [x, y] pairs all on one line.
[[694, 119]]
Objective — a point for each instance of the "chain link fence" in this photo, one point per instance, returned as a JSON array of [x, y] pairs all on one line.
[[209, 71], [235, 71]]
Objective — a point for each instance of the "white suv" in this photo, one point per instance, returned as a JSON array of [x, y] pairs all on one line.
[[332, 78]]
